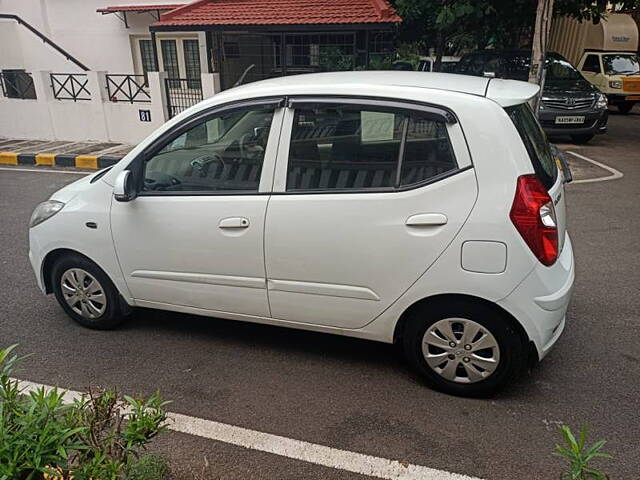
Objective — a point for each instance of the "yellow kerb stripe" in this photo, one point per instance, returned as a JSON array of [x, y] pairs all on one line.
[[86, 161], [8, 158], [47, 159]]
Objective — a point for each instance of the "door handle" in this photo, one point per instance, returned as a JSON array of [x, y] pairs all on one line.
[[426, 219], [234, 222]]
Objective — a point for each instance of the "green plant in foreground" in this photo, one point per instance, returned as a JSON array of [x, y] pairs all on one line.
[[149, 467], [97, 437], [580, 455]]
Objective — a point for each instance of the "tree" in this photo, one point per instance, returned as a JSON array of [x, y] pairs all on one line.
[[452, 26], [437, 22], [544, 13]]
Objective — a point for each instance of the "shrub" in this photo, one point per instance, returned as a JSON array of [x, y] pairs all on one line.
[[580, 456], [98, 437]]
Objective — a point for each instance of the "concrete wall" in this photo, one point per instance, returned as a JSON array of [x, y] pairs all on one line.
[[101, 42], [96, 119]]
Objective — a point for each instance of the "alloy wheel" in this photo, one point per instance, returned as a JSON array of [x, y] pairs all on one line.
[[460, 350], [83, 293]]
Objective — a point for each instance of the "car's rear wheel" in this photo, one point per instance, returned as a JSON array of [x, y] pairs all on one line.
[[583, 138], [466, 349], [86, 293], [625, 107]]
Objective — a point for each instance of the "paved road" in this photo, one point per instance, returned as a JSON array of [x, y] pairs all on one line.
[[353, 394]]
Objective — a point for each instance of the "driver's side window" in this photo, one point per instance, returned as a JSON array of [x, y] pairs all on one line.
[[222, 153], [591, 64]]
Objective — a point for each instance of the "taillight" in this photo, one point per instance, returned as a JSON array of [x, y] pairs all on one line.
[[534, 216]]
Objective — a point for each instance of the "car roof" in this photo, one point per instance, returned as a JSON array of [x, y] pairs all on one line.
[[504, 92]]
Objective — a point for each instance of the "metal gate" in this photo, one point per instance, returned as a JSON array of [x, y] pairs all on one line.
[[182, 93]]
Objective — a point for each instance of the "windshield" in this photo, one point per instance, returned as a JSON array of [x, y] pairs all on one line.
[[560, 69], [621, 64]]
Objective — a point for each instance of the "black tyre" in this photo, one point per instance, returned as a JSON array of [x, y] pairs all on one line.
[[625, 107], [583, 138], [85, 292], [467, 349]]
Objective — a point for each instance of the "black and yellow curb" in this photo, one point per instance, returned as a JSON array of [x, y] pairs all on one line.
[[85, 162]]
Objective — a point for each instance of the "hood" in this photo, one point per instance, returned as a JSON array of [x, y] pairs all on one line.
[[568, 87], [66, 193]]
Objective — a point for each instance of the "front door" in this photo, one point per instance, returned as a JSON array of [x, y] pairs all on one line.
[[591, 69], [367, 195], [194, 235]]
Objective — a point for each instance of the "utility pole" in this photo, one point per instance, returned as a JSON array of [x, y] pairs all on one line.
[[544, 14]]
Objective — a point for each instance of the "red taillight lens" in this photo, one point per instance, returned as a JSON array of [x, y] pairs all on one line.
[[534, 216]]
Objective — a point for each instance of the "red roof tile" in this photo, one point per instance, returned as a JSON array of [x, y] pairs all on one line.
[[139, 8], [280, 12]]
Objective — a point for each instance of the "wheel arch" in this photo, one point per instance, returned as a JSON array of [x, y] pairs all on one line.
[[448, 298], [53, 256]]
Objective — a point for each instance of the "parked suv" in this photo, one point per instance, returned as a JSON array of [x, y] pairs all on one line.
[[419, 208], [570, 104]]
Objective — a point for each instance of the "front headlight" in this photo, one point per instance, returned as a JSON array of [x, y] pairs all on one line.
[[45, 211], [615, 83], [602, 101]]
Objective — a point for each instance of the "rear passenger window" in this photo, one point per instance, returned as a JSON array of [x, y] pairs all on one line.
[[351, 147]]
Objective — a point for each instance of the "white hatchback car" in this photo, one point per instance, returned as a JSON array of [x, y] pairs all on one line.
[[425, 209]]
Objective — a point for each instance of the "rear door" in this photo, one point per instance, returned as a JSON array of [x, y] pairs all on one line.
[[367, 195]]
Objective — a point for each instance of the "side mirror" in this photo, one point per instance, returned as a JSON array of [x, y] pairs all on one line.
[[123, 188]]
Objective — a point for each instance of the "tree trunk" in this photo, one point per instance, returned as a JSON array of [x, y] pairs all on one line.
[[437, 66], [544, 13]]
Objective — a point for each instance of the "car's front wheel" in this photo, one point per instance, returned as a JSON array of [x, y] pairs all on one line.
[[466, 349], [86, 293]]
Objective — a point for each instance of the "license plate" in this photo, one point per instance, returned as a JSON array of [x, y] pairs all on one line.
[[564, 119], [633, 97]]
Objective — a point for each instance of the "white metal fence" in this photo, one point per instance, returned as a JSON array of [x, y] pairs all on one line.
[[89, 106]]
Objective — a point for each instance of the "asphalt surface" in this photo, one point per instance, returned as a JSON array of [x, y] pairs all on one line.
[[358, 395]]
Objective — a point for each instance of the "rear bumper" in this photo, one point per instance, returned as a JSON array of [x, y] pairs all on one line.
[[541, 300], [595, 122]]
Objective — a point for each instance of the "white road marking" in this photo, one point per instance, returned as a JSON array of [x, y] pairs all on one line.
[[288, 447], [615, 174], [48, 170]]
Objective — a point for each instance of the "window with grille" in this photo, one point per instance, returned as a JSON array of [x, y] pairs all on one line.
[[192, 62], [170, 58], [146, 57]]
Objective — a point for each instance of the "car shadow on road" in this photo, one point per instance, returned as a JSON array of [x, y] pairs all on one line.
[[269, 337], [381, 360]]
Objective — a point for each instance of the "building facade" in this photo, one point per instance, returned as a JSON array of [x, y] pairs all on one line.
[[53, 51]]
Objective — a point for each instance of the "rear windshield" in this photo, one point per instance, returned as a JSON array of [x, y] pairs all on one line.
[[535, 142]]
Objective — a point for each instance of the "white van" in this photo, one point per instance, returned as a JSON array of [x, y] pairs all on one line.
[[423, 209], [605, 54]]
